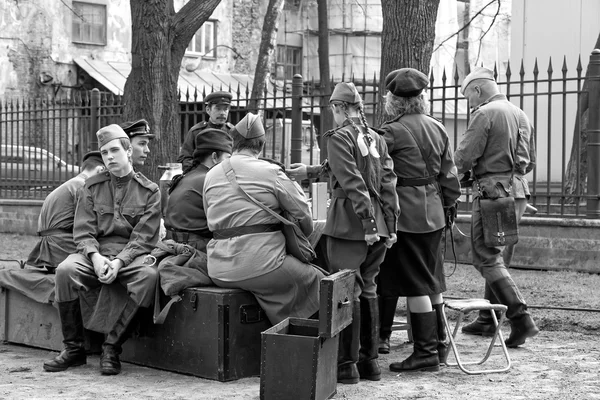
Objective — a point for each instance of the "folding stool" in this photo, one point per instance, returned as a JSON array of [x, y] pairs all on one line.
[[464, 307]]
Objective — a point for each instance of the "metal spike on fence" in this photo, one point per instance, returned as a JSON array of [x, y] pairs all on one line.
[[550, 70], [508, 72], [536, 71], [579, 67], [456, 75]]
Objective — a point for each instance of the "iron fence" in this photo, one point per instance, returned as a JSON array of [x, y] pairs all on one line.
[[42, 140]]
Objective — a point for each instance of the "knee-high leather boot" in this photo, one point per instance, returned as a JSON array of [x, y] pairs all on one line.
[[349, 348], [425, 355], [522, 325], [442, 346], [484, 324], [368, 367], [71, 323], [387, 312], [109, 360]]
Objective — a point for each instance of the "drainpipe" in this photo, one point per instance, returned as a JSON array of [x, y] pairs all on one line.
[[92, 140], [593, 133]]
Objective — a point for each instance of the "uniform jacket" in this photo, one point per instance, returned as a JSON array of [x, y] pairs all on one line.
[[250, 255], [488, 144], [117, 217], [186, 155], [358, 212], [409, 137], [185, 208]]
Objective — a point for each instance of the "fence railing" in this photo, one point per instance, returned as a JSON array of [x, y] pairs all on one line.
[[43, 140]]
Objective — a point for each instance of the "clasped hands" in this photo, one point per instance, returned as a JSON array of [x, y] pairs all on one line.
[[106, 270]]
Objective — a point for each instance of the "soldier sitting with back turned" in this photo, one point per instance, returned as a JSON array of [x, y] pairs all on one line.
[[116, 227], [217, 107]]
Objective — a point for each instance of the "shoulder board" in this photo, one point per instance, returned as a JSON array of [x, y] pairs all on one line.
[[479, 106], [275, 162], [199, 126], [101, 177], [333, 131], [145, 182], [229, 125], [378, 130]]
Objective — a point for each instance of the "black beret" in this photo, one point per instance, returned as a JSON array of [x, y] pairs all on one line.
[[92, 154], [136, 128], [406, 82], [218, 97], [213, 139]]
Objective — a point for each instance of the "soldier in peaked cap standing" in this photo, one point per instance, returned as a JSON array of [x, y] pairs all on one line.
[[140, 137], [248, 249], [116, 227], [55, 223], [217, 106], [498, 148], [427, 189]]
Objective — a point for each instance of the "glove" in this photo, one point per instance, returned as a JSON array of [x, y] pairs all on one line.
[[450, 213]]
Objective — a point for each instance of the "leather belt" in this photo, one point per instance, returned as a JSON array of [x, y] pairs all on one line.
[[54, 231], [245, 230], [187, 236], [415, 181]]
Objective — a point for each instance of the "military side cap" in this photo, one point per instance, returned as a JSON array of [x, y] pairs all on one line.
[[92, 154], [213, 139], [136, 128], [346, 92], [406, 82], [218, 97], [477, 73], [109, 133], [250, 126]]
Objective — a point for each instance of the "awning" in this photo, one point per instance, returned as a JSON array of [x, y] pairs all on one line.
[[113, 74]]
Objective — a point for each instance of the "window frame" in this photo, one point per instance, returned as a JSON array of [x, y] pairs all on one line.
[[75, 21], [286, 64], [202, 31]]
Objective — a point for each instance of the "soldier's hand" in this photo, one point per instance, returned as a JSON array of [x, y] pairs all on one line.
[[297, 171], [112, 271], [100, 264], [391, 240], [371, 238]]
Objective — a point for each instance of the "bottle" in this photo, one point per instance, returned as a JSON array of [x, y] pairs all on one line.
[[171, 170]]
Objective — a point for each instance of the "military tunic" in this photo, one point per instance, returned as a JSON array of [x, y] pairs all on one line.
[[186, 155], [55, 225], [117, 217]]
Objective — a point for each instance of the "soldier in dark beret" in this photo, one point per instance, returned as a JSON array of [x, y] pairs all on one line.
[[217, 106], [427, 188], [140, 136]]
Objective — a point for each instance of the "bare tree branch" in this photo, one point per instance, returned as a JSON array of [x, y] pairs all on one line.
[[487, 31]]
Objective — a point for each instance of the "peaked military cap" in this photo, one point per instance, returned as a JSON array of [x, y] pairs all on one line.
[[477, 73], [346, 92], [218, 97], [213, 139], [110, 133], [406, 82], [136, 128], [250, 126]]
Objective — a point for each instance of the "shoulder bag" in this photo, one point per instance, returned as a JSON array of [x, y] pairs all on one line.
[[297, 244]]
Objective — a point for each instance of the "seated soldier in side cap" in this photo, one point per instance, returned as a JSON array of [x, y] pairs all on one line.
[[140, 136], [217, 106], [116, 226], [55, 223], [283, 285]]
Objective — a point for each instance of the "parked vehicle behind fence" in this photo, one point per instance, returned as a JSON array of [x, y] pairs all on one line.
[[32, 168]]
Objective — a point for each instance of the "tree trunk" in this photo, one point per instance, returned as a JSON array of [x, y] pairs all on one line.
[[576, 174], [265, 54], [159, 39], [324, 74], [407, 38]]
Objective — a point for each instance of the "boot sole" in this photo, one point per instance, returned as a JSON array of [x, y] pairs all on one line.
[[49, 368], [371, 378], [349, 381], [512, 345], [433, 368], [384, 351]]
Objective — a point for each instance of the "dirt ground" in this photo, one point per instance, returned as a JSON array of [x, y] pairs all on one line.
[[562, 362]]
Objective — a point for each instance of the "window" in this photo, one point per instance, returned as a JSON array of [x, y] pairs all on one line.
[[289, 62], [203, 43], [89, 23]]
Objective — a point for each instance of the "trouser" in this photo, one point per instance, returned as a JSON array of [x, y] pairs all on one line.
[[490, 263]]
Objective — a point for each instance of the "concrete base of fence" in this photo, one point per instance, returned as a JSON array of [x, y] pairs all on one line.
[[544, 243]]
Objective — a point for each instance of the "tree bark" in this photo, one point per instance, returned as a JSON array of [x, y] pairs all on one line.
[[265, 54], [324, 74], [407, 38], [159, 39], [576, 174]]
